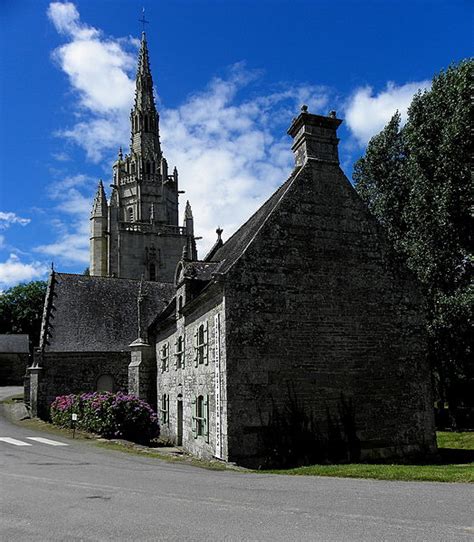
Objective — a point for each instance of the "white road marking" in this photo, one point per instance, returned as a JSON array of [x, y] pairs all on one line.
[[14, 441], [47, 441]]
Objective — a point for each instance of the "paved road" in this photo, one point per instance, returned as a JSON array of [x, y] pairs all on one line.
[[82, 492]]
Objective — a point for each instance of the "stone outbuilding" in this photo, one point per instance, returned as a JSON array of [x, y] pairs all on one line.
[[301, 337], [14, 358]]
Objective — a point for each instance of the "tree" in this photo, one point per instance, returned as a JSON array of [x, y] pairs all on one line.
[[21, 309], [416, 180]]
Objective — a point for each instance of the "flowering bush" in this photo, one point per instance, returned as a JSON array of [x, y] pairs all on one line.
[[112, 415]]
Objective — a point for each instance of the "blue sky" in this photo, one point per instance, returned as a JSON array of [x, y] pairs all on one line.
[[229, 76]]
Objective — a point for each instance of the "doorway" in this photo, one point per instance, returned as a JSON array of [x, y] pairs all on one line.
[[179, 432]]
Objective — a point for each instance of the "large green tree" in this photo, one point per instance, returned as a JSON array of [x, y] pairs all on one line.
[[21, 309], [416, 180]]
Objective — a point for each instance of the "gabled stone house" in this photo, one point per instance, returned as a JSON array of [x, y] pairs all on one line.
[[303, 303], [300, 332]]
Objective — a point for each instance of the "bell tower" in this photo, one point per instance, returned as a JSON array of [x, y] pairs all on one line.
[[143, 237]]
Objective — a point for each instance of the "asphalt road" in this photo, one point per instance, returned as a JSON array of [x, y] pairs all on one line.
[[83, 492]]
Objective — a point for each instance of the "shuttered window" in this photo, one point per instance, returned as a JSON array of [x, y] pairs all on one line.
[[179, 353], [165, 357], [201, 344], [165, 409], [201, 417]]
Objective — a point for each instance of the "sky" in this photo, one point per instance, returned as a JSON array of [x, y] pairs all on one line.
[[229, 77]]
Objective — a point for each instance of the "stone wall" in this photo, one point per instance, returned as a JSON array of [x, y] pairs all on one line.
[[13, 369], [186, 384], [63, 373], [318, 310]]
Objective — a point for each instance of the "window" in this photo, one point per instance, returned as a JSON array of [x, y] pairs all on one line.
[[165, 409], [152, 271], [200, 345], [130, 214], [164, 356], [201, 417], [180, 304], [179, 352]]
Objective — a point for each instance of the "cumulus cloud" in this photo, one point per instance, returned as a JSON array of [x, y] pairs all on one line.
[[9, 218], [226, 150], [14, 271], [100, 73], [367, 113], [73, 197]]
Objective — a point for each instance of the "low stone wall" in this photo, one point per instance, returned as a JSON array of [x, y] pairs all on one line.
[[64, 373]]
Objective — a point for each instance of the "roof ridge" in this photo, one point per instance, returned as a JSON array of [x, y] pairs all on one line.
[[284, 189]]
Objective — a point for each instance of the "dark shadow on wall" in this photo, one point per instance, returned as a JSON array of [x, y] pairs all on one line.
[[293, 437]]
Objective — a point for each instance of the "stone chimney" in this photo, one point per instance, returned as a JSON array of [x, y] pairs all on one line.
[[314, 137]]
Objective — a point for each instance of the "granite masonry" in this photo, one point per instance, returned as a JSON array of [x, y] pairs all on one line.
[[299, 339]]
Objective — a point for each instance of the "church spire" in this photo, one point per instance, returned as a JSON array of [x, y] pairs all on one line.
[[99, 207], [144, 116]]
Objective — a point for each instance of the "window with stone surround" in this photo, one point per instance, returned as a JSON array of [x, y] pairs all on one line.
[[165, 357], [201, 345], [179, 352], [165, 409], [201, 416]]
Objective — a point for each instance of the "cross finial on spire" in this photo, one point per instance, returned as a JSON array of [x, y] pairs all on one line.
[[143, 20]]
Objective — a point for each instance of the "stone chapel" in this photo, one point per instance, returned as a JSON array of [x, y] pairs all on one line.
[[298, 339]]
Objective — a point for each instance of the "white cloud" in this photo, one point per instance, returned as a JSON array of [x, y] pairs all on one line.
[[100, 72], [73, 195], [367, 113], [13, 271], [228, 157], [9, 218]]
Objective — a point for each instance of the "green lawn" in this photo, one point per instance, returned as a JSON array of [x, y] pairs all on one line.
[[458, 441], [456, 464]]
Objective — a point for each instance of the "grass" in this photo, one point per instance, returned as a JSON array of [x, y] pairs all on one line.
[[457, 441], [12, 399], [455, 464], [456, 459], [412, 473]]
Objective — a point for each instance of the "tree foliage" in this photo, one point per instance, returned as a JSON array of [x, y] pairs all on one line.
[[21, 309], [416, 180]]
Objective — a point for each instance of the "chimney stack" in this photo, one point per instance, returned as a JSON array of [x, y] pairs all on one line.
[[314, 137]]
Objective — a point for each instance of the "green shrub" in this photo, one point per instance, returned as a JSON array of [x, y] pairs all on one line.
[[111, 415]]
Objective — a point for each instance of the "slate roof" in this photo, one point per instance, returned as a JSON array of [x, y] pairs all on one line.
[[236, 245], [14, 344], [200, 270], [99, 314]]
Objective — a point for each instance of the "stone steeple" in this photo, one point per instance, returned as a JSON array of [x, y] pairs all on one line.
[[137, 234], [98, 233], [145, 138], [99, 207]]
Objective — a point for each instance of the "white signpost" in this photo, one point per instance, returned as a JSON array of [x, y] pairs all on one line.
[[217, 384]]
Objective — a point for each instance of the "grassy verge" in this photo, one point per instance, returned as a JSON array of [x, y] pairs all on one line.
[[456, 459], [455, 464], [161, 453], [457, 441], [413, 473], [12, 399]]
